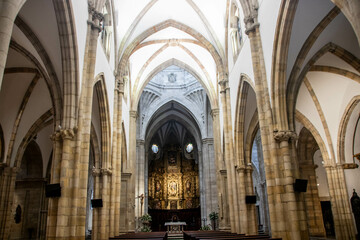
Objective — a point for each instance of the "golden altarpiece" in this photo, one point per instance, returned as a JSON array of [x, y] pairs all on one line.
[[174, 180]]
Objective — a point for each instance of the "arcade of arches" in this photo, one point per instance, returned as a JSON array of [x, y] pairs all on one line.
[[180, 109]]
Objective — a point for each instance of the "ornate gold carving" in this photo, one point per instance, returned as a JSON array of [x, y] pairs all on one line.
[[350, 165]]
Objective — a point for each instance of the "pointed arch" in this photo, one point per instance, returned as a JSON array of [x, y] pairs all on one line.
[[180, 26], [294, 84], [44, 121], [320, 142], [210, 92], [280, 53], [343, 127], [105, 124], [70, 60]]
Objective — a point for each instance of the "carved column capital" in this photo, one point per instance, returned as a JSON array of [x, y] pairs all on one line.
[[106, 172], [140, 142], [284, 135], [96, 172], [251, 20], [96, 17], [68, 133], [133, 114], [119, 84], [215, 112]]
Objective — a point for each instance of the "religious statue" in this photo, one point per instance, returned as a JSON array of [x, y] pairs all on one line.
[[188, 186], [172, 158], [173, 188], [355, 205], [157, 186]]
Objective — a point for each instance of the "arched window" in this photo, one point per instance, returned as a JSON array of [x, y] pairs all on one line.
[[107, 29], [236, 34]]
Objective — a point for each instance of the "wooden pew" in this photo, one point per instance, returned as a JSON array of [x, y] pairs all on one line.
[[143, 235]]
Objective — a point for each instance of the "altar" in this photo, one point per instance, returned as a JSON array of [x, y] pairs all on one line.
[[175, 227]]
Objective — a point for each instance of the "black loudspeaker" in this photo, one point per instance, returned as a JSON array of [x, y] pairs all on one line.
[[300, 185], [53, 190], [96, 203], [250, 199]]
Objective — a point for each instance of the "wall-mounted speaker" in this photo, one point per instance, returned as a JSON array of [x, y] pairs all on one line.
[[300, 185], [250, 199], [53, 190], [96, 203]]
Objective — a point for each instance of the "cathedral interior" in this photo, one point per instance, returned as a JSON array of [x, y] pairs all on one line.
[[113, 110]]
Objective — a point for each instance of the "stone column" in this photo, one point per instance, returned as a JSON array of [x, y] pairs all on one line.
[[132, 170], [117, 146], [263, 198], [229, 158], [288, 198], [96, 172], [104, 211], [340, 206], [241, 187], [7, 188], [140, 178], [252, 227], [219, 165], [8, 12], [312, 202]]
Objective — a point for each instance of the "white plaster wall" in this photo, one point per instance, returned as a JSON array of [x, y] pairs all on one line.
[[306, 106], [80, 12], [102, 66], [340, 32], [268, 14], [308, 14], [250, 110], [333, 98], [126, 119], [40, 16], [95, 117], [39, 103], [21, 39], [10, 101], [243, 65], [45, 145], [321, 177]]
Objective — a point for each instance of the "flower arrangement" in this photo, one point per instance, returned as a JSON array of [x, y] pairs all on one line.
[[213, 215], [146, 218], [205, 228]]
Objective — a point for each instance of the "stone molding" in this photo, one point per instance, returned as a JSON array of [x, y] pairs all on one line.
[[106, 172], [284, 135], [215, 112], [96, 172]]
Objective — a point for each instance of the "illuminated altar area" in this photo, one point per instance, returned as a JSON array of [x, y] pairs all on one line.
[[174, 180], [174, 192]]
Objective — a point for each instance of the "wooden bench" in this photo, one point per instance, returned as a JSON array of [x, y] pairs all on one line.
[[143, 235], [219, 235]]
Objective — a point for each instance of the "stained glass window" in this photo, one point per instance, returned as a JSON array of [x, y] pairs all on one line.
[[189, 148], [155, 148]]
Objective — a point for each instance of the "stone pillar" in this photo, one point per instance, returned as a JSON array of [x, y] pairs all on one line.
[[140, 178], [104, 211], [96, 172], [312, 202], [288, 198], [117, 146], [264, 205], [132, 170], [340, 206], [241, 186], [219, 165], [8, 12], [229, 158], [209, 176], [7, 189], [252, 227]]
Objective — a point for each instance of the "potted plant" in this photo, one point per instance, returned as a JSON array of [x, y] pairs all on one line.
[[146, 218], [213, 217]]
